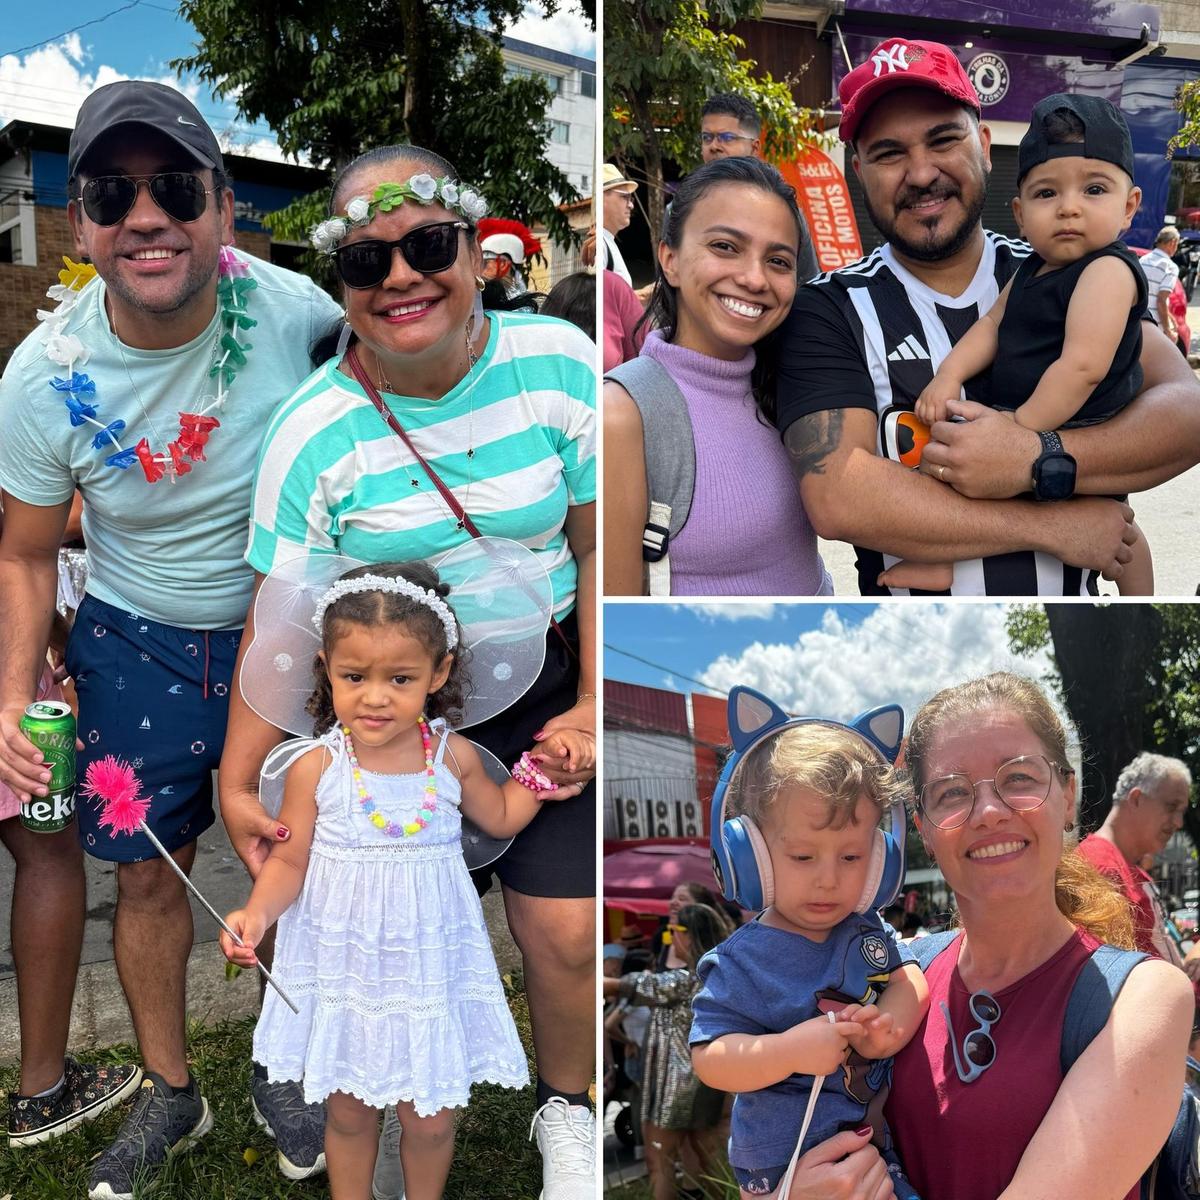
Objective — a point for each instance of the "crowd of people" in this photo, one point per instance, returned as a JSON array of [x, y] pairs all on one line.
[[187, 393], [876, 380]]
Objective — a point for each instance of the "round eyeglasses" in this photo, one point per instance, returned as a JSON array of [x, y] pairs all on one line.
[[1021, 783], [724, 138], [978, 1050]]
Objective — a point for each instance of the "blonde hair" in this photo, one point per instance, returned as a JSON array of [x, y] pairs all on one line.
[[832, 761], [1084, 896]]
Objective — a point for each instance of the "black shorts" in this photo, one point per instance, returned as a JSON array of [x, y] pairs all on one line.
[[555, 854]]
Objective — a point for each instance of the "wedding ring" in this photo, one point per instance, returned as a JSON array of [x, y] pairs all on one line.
[[941, 473]]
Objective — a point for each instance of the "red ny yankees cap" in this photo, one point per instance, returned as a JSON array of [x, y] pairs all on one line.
[[899, 63]]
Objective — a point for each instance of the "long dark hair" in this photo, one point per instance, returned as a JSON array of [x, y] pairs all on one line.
[[662, 312], [705, 927], [391, 608]]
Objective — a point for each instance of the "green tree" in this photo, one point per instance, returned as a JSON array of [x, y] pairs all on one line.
[[1187, 101], [332, 79], [1129, 678], [662, 60]]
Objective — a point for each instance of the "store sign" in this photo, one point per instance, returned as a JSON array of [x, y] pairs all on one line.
[[989, 76], [825, 201]]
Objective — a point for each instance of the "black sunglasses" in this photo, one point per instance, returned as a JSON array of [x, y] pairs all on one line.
[[180, 194], [428, 249]]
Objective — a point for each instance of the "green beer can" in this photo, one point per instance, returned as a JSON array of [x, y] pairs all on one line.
[[50, 726]]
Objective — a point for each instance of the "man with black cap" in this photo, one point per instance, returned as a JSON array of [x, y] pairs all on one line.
[[148, 390], [862, 343]]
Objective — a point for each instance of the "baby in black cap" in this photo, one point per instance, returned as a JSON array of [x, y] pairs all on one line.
[[1064, 337]]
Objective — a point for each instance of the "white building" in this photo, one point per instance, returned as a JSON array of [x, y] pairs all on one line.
[[572, 112]]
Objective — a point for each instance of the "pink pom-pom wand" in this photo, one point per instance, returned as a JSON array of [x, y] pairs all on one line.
[[123, 809]]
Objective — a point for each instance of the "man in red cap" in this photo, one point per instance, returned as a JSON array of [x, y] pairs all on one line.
[[861, 343]]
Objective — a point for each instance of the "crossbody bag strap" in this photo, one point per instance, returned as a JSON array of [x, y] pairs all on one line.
[[464, 519]]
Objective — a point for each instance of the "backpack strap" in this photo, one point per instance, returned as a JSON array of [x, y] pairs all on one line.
[[1092, 998], [670, 454], [926, 949]]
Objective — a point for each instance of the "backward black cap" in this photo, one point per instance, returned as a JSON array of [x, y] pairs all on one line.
[[140, 102], [1105, 134]]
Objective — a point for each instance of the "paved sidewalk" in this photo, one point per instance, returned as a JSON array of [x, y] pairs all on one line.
[[99, 1016]]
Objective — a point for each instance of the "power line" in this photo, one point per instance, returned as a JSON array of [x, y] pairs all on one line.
[[94, 21]]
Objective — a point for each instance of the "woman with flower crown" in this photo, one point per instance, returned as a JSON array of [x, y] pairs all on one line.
[[436, 422]]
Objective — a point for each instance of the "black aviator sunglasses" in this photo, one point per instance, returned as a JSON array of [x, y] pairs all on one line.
[[109, 199], [428, 249]]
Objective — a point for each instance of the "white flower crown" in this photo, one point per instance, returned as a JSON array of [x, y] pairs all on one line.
[[420, 189], [383, 583]]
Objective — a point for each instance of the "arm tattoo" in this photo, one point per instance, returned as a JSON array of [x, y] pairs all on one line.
[[810, 439]]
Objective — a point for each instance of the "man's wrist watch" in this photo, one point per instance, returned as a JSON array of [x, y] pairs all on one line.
[[1053, 470]]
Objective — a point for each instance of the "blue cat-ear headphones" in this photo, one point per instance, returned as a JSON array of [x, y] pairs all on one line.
[[739, 853]]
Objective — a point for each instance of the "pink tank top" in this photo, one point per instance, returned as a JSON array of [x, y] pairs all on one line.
[[963, 1141]]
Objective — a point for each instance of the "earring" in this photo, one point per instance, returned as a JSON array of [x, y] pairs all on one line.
[[1068, 826], [480, 283]]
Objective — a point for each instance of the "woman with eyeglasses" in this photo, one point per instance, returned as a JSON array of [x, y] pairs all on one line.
[[433, 420], [676, 1107], [703, 383], [979, 1105]]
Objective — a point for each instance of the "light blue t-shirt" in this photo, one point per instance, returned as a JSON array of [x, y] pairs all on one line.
[[765, 980], [171, 550]]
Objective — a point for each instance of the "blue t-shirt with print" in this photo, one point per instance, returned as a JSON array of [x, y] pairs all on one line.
[[765, 980]]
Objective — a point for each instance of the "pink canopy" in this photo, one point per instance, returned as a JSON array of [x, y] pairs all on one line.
[[642, 878]]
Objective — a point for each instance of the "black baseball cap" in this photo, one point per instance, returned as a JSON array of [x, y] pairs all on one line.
[[140, 102], [1105, 134]]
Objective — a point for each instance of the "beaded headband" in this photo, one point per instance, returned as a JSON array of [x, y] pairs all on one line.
[[420, 189], [401, 587]]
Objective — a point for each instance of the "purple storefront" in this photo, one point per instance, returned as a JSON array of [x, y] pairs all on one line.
[[1018, 51]]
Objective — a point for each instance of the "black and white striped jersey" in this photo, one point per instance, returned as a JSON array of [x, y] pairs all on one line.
[[871, 335]]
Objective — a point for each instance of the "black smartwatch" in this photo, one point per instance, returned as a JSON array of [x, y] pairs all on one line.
[[1053, 470]]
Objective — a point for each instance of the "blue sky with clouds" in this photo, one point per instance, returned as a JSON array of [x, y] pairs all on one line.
[[834, 660], [47, 82]]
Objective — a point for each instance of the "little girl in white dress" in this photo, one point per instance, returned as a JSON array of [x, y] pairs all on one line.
[[381, 943]]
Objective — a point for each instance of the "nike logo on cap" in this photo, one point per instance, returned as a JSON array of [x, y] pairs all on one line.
[[183, 122]]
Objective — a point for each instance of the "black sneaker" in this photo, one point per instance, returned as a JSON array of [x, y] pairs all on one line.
[[161, 1123], [85, 1093], [298, 1128]]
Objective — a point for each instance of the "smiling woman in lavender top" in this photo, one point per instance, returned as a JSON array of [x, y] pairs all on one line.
[[726, 279]]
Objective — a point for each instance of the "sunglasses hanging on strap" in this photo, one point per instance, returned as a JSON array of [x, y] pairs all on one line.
[[464, 520]]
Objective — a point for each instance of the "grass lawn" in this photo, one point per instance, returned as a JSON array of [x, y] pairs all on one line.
[[493, 1159]]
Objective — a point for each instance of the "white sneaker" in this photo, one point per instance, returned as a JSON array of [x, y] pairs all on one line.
[[388, 1181], [566, 1138]]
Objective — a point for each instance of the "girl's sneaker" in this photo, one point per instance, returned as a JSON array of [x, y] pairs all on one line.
[[85, 1093], [388, 1181]]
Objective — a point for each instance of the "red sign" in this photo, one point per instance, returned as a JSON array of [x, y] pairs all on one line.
[[825, 201]]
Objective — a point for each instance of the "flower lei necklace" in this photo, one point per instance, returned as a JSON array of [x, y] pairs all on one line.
[[428, 805], [229, 356], [420, 189]]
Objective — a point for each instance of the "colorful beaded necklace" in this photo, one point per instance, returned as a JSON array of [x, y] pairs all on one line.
[[424, 813], [79, 391]]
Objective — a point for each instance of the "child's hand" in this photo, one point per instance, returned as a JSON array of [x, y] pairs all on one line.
[[250, 929], [569, 749], [880, 1037], [818, 1046], [931, 403]]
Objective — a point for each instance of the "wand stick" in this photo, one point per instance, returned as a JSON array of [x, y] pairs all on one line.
[[123, 809], [212, 912]]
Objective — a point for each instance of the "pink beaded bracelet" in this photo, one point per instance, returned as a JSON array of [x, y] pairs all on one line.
[[527, 773]]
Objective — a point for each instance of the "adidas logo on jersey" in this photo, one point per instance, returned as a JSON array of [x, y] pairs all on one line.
[[909, 349]]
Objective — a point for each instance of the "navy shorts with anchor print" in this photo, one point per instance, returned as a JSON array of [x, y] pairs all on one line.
[[158, 697]]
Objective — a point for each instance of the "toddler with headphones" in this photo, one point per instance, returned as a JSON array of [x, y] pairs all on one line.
[[817, 985]]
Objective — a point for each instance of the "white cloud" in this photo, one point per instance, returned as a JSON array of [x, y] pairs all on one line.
[[895, 654], [566, 31], [49, 84], [739, 610]]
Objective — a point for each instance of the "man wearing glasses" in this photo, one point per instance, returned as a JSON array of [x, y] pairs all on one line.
[[1147, 809], [148, 390]]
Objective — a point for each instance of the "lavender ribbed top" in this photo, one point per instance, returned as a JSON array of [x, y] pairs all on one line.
[[747, 533]]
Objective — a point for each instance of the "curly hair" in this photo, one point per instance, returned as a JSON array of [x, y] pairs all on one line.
[[377, 608], [1085, 897], [832, 761]]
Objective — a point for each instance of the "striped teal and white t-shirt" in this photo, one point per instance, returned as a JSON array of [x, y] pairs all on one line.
[[333, 478]]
